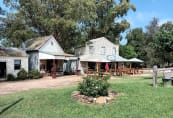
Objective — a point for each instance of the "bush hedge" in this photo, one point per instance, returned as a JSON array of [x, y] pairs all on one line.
[[11, 77], [94, 87], [22, 74], [34, 74]]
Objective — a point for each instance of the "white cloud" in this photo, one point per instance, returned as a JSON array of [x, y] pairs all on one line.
[[143, 16], [141, 19]]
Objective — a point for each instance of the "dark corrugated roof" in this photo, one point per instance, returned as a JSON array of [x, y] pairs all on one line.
[[37, 43], [12, 52]]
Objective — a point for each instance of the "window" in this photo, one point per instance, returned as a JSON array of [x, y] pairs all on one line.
[[113, 51], [103, 50], [17, 64], [91, 49]]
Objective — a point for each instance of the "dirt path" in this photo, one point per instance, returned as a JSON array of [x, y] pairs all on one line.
[[47, 82]]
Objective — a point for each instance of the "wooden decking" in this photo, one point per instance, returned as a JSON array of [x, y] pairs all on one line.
[[117, 72]]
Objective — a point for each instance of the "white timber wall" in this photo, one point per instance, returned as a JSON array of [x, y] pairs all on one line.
[[52, 46], [97, 45], [10, 64]]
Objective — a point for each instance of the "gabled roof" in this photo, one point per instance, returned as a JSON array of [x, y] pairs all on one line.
[[37, 43], [100, 39], [12, 52], [96, 40]]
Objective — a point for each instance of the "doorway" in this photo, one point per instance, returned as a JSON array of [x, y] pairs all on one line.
[[2, 70]]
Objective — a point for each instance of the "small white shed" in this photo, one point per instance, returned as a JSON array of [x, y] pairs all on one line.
[[11, 61]]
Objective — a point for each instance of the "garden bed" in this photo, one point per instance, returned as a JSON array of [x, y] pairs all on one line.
[[94, 100]]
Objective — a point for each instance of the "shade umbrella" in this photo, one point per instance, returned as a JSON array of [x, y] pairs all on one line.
[[135, 60]]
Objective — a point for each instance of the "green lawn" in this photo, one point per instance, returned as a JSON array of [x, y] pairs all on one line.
[[139, 100]]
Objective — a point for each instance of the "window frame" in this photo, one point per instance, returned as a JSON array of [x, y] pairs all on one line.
[[91, 50], [17, 65], [114, 51], [103, 50]]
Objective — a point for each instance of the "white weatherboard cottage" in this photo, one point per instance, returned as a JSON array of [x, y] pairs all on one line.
[[98, 51], [11, 61], [43, 51]]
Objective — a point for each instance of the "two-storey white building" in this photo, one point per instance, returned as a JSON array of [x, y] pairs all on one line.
[[99, 46], [98, 52]]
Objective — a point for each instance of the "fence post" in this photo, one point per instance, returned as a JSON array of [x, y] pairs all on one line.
[[155, 70]]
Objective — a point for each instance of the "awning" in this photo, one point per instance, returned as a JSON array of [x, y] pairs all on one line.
[[49, 56], [117, 58], [94, 58], [135, 60], [64, 56]]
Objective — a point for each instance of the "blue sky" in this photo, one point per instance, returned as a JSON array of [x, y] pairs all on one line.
[[3, 6], [147, 9]]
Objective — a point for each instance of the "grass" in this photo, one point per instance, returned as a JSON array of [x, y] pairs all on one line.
[[139, 100]]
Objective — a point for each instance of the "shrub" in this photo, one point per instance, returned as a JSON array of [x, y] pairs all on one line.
[[22, 74], [94, 87], [11, 77], [34, 74]]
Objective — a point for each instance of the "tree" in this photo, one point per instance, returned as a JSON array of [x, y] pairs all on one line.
[[163, 43], [128, 51], [136, 39], [143, 42], [2, 13], [17, 30], [152, 29], [70, 21], [106, 24]]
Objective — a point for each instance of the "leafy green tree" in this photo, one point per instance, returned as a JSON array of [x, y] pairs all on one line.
[[136, 39], [151, 53], [17, 30], [107, 24], [143, 42], [44, 17], [70, 21], [163, 43], [2, 13], [128, 51]]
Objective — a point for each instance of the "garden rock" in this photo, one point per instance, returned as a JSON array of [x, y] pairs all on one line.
[[101, 100], [91, 100]]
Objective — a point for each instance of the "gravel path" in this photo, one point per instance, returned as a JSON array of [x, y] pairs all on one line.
[[46, 82]]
